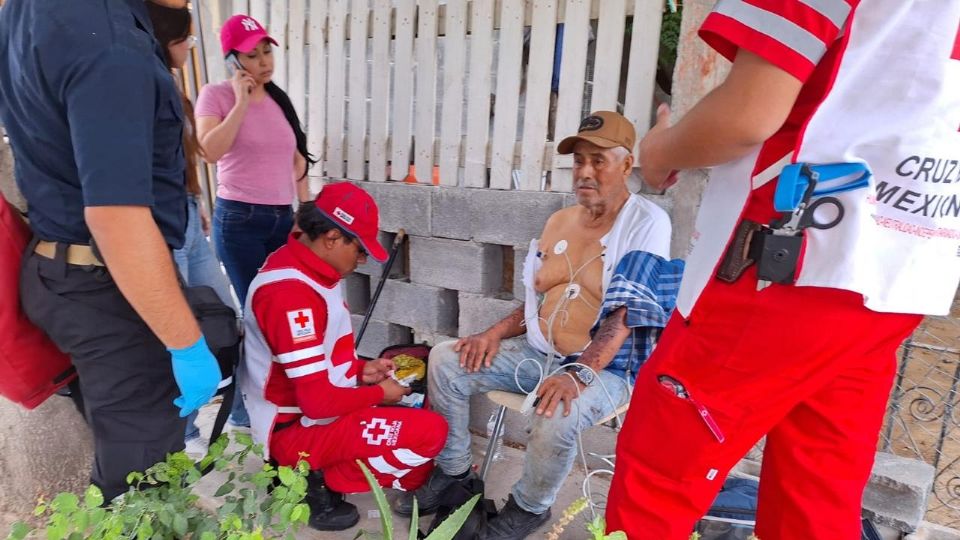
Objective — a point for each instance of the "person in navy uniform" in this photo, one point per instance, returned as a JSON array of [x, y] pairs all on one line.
[[95, 123]]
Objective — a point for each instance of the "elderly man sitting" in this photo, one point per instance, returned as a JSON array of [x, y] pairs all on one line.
[[610, 241]]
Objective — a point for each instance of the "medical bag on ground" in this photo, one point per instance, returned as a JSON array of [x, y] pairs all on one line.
[[411, 369], [455, 496], [733, 514], [220, 327], [32, 368]]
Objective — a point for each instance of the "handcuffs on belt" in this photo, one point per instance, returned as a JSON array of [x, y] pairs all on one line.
[[776, 247]]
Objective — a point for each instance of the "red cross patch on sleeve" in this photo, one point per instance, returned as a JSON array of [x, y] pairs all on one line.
[[301, 325]]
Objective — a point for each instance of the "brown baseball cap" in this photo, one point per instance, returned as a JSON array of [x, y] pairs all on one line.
[[606, 129]]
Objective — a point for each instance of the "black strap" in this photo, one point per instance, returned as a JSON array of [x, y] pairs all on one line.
[[226, 405], [284, 425]]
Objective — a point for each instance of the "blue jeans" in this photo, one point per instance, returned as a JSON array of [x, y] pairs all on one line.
[[196, 261], [552, 446], [199, 266], [244, 234]]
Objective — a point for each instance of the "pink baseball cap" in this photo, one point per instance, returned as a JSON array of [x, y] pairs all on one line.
[[242, 33]]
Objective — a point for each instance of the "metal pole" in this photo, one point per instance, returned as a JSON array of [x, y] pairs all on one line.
[[394, 250]]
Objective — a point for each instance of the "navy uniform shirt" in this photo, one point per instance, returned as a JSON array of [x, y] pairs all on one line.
[[93, 114]]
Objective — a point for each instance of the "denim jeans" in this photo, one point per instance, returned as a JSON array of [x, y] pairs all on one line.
[[552, 446], [244, 234], [199, 266], [196, 261]]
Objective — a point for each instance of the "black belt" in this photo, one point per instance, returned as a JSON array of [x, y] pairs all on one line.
[[284, 425]]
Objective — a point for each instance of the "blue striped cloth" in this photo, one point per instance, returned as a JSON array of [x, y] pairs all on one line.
[[647, 285]]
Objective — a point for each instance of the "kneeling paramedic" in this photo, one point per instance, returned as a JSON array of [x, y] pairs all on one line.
[[828, 229], [305, 388]]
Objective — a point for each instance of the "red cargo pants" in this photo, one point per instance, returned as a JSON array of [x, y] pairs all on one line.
[[397, 444], [811, 368]]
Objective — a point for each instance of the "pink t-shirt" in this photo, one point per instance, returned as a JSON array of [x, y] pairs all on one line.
[[258, 168]]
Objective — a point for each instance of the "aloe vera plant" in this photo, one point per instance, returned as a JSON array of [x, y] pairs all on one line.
[[446, 531]]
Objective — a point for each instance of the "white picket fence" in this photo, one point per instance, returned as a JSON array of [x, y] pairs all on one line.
[[385, 84]]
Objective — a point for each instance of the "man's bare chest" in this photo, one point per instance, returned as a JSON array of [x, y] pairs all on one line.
[[570, 256]]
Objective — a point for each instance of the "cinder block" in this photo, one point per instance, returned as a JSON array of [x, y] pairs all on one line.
[[453, 264], [430, 339], [421, 307], [519, 257], [896, 495], [356, 292], [663, 201], [379, 335], [477, 312], [402, 206], [746, 468], [932, 531], [452, 213], [374, 269], [509, 218], [887, 533], [512, 217]]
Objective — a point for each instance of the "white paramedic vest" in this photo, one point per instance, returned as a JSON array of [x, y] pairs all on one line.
[[258, 359], [894, 105]]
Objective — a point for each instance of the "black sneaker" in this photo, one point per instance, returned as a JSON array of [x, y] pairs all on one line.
[[513, 523], [428, 495], [328, 510]]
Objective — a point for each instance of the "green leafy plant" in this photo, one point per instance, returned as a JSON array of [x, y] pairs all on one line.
[[162, 503], [598, 530], [596, 527], [446, 531]]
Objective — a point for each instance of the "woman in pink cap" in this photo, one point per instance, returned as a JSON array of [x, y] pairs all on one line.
[[249, 127]]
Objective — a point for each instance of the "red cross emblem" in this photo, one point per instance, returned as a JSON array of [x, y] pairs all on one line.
[[376, 431], [301, 319], [301, 324]]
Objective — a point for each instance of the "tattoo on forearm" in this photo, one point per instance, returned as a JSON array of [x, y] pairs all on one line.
[[606, 338], [610, 327]]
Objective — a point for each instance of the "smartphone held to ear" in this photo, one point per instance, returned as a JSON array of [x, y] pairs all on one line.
[[233, 64]]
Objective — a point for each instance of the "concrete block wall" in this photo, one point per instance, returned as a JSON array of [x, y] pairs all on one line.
[[460, 269], [421, 307], [379, 335], [477, 312], [454, 264]]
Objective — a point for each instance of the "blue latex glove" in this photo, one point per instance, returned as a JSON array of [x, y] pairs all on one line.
[[197, 374]]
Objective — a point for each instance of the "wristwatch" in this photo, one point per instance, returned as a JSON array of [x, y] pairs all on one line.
[[583, 374]]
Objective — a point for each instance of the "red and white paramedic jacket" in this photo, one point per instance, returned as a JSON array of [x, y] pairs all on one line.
[[881, 87], [299, 356]]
